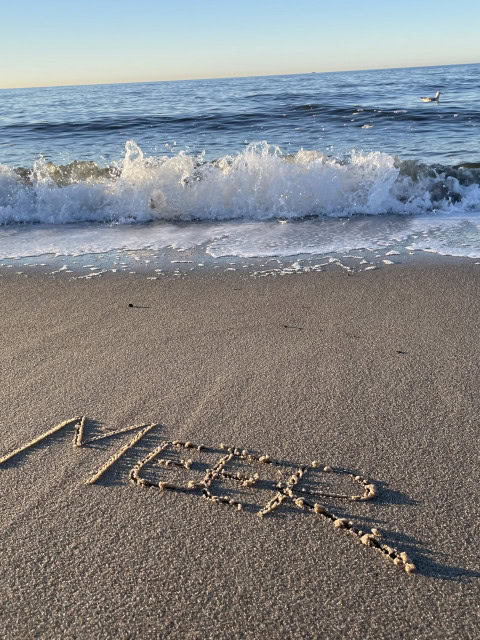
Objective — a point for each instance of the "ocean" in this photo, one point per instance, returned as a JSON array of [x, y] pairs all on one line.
[[291, 167]]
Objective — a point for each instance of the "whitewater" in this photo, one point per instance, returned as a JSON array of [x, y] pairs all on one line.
[[258, 186]]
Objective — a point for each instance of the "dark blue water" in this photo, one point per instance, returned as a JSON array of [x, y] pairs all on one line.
[[324, 112]]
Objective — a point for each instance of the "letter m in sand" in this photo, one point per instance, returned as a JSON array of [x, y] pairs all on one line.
[[78, 424]]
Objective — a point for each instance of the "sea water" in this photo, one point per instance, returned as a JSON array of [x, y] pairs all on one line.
[[280, 166]]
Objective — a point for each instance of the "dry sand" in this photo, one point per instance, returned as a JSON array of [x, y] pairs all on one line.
[[377, 374]]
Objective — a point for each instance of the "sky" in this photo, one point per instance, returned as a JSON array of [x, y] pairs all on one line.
[[65, 42]]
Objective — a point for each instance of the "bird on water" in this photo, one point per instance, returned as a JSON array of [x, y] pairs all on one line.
[[435, 99]]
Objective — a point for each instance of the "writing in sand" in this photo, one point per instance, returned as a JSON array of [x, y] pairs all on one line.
[[227, 475]]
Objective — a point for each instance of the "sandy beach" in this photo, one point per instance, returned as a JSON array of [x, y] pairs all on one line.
[[372, 375]]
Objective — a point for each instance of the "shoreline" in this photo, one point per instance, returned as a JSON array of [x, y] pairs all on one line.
[[374, 375], [156, 264]]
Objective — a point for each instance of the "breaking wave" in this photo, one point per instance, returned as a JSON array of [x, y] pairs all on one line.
[[260, 183]]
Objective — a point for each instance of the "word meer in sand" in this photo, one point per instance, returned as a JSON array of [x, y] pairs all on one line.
[[219, 474]]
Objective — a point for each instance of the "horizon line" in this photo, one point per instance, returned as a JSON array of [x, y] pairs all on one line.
[[269, 75]]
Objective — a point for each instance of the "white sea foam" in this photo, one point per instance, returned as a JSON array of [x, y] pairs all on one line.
[[251, 204], [75, 239], [258, 184], [457, 235]]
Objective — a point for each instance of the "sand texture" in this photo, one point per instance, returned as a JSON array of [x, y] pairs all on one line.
[[241, 458]]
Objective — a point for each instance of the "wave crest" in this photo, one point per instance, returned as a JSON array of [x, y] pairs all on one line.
[[260, 183]]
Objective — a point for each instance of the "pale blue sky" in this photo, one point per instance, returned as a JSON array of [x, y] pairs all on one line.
[[60, 42]]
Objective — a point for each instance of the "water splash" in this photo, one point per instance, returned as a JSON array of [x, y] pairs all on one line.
[[258, 184]]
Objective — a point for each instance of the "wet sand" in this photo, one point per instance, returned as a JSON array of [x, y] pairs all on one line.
[[374, 374]]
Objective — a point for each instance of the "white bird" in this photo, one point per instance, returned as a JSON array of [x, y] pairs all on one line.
[[435, 99]]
